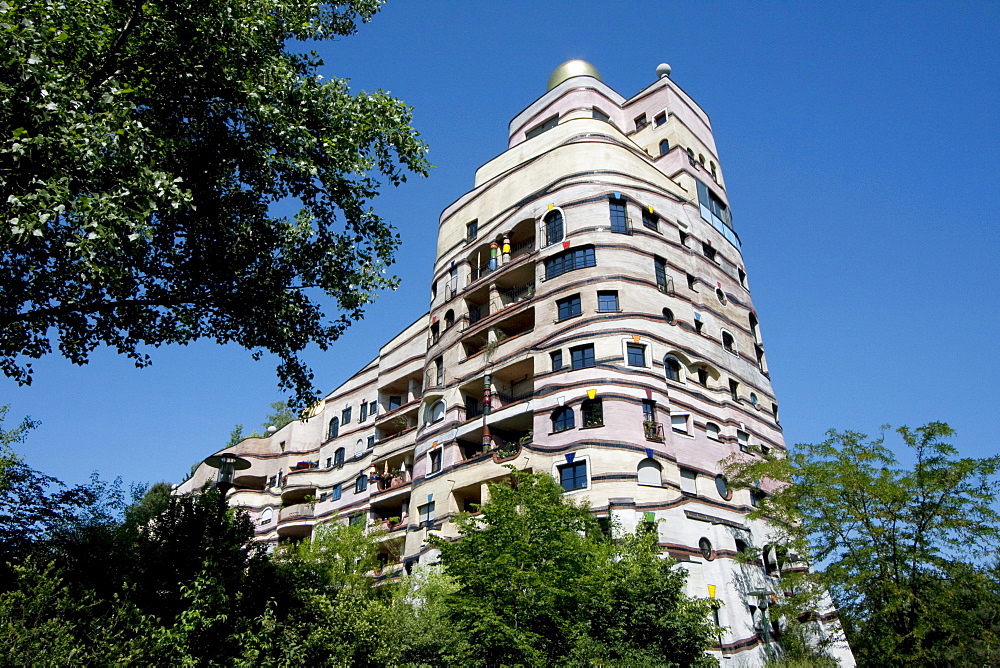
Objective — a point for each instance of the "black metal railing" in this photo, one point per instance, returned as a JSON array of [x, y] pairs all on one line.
[[654, 430]]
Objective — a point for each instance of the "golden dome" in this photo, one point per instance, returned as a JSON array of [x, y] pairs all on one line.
[[570, 69]]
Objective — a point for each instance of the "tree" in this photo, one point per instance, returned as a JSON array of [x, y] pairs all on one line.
[[538, 584], [146, 144], [901, 549]]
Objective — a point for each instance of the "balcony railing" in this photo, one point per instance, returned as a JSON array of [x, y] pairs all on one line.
[[386, 483], [473, 409], [654, 430], [506, 399], [522, 247], [518, 293]]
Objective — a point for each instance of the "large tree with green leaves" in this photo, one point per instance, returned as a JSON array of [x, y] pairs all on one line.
[[145, 146], [905, 550], [539, 584]]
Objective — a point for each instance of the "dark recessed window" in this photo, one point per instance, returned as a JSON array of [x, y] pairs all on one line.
[[702, 376], [660, 118], [664, 147], [607, 301], [619, 218], [635, 354], [600, 115], [557, 359], [734, 389], [395, 401], [345, 416], [435, 459], [705, 547], [722, 487], [650, 220], [663, 282], [698, 325], [569, 307], [361, 484], [582, 357], [648, 410], [668, 315], [363, 413], [563, 419], [573, 476], [371, 442], [338, 458], [709, 252], [672, 368], [754, 401], [728, 342], [336, 492], [449, 319], [691, 283], [570, 260], [333, 429], [426, 513], [539, 129], [593, 412], [471, 230], [721, 296], [553, 227], [641, 122]]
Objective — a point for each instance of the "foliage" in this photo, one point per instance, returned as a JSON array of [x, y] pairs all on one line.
[[538, 584], [144, 146], [900, 548]]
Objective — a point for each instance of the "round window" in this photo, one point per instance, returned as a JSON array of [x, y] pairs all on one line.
[[668, 315], [721, 295], [723, 487], [705, 545]]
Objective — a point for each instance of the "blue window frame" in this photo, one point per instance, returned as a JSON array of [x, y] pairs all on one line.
[[607, 301], [573, 476], [563, 419], [635, 354], [619, 219], [664, 147], [338, 458], [553, 227], [361, 484], [582, 356], [336, 492], [557, 360], [569, 307], [570, 260]]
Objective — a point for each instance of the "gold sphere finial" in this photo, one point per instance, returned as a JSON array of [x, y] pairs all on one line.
[[570, 69]]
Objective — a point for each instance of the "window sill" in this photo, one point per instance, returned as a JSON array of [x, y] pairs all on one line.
[[592, 426], [569, 317], [609, 311]]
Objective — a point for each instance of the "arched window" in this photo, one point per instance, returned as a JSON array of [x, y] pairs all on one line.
[[664, 147], [701, 159], [690, 154], [435, 412], [266, 516], [563, 419], [553, 227], [712, 430], [334, 429], [728, 342], [449, 319], [770, 560], [649, 473], [338, 458], [359, 448], [722, 487], [714, 175], [435, 332], [672, 368]]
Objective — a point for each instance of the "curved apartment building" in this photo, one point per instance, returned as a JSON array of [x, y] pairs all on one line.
[[590, 317]]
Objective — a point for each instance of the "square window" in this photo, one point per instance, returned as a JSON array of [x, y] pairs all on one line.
[[569, 307], [371, 441], [329, 462], [557, 360], [373, 408], [650, 220], [435, 457], [472, 230], [689, 481], [593, 413], [395, 401], [582, 356], [679, 423], [563, 419], [641, 122], [660, 118], [357, 520], [635, 354], [607, 301], [573, 476]]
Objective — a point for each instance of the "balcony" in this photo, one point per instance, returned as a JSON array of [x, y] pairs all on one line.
[[653, 430], [296, 520]]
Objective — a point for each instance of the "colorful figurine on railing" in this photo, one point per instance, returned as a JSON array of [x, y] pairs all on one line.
[[494, 251]]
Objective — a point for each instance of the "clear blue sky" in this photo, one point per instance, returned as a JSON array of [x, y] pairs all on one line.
[[860, 147]]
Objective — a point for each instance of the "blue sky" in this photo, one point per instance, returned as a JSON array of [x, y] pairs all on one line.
[[860, 147]]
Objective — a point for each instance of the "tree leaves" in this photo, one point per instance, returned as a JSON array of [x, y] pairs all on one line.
[[149, 144]]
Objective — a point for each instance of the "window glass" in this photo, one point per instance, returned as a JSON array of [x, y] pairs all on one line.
[[648, 410], [557, 359], [649, 219], [573, 476], [722, 487], [619, 219], [371, 442], [635, 354], [607, 301], [336, 492], [570, 260], [563, 419], [426, 512], [672, 368], [363, 413], [345, 416], [395, 401], [338, 458], [435, 457], [569, 307], [660, 270], [472, 230], [582, 356], [689, 481], [593, 412], [539, 129], [553, 227], [712, 430], [664, 147], [679, 423], [361, 484], [334, 429], [600, 115], [660, 119]]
